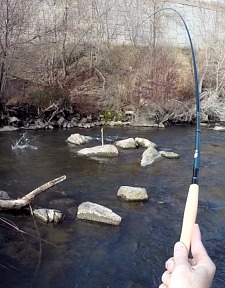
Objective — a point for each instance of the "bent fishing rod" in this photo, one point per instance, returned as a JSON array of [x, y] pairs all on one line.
[[191, 207]]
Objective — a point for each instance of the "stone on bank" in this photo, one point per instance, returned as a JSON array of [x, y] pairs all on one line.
[[95, 212], [219, 128], [8, 129]]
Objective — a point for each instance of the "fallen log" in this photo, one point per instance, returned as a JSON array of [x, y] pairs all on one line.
[[8, 204]]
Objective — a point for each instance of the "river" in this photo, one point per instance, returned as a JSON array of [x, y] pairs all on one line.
[[82, 254]]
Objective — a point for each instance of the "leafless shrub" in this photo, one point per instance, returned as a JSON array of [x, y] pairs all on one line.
[[212, 105]]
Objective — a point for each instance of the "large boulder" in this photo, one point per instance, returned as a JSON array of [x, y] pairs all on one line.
[[145, 142], [149, 156], [127, 143], [107, 150], [128, 193], [95, 212], [78, 139]]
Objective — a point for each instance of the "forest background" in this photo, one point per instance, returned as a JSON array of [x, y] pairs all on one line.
[[97, 57]]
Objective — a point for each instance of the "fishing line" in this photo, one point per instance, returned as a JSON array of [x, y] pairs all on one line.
[[198, 114]]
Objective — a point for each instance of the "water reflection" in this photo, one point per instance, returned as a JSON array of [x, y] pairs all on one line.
[[96, 255]]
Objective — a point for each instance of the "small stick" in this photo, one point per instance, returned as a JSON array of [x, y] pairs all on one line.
[[102, 136]]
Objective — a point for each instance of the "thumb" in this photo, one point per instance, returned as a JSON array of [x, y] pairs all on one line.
[[198, 250], [180, 254]]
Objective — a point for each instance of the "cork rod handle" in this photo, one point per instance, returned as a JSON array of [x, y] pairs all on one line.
[[190, 213]]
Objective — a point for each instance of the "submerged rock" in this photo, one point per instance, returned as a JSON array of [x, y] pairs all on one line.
[[145, 142], [169, 154], [149, 156], [95, 212], [78, 139], [132, 193], [127, 143], [4, 195], [48, 215], [107, 150]]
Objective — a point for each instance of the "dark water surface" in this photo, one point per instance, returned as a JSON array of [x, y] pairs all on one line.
[[101, 256]]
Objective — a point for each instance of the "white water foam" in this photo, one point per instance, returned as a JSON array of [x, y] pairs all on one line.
[[23, 143]]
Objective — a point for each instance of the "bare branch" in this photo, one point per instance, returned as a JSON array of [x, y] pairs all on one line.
[[24, 201]]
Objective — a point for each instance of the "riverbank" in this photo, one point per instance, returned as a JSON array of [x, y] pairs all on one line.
[[28, 117], [124, 85]]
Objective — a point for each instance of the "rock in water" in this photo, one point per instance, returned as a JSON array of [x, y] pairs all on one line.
[[95, 212], [48, 215], [4, 195], [107, 150], [145, 142], [169, 154], [219, 128], [78, 139], [126, 143], [149, 156], [132, 193]]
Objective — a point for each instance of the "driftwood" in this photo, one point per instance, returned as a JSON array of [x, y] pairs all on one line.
[[25, 200]]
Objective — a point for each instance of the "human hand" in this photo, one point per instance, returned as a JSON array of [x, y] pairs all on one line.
[[189, 273]]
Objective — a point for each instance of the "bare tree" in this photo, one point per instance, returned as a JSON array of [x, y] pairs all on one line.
[[14, 31]]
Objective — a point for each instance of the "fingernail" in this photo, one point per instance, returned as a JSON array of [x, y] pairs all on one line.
[[168, 264]]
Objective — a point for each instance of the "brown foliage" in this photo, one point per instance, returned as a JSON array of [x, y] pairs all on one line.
[[140, 75], [114, 77]]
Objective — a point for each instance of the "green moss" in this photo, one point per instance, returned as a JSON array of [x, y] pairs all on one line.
[[110, 115]]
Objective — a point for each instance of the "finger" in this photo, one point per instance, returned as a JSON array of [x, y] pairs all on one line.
[[180, 254], [170, 264], [200, 255], [197, 249], [163, 286], [166, 278]]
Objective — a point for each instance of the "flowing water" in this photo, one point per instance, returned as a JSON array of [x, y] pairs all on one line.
[[83, 254]]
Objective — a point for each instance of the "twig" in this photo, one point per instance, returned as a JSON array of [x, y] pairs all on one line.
[[103, 78], [13, 226], [40, 246]]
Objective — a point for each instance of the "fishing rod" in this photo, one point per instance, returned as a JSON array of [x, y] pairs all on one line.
[[191, 207]]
